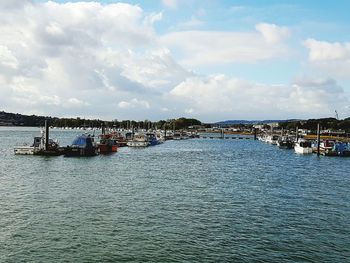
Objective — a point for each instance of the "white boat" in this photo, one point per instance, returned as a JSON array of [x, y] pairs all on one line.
[[138, 141], [273, 139], [262, 138], [303, 147], [327, 145], [41, 146]]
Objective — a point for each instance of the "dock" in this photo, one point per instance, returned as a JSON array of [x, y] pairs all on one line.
[[227, 138]]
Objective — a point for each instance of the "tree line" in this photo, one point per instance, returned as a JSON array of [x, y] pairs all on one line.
[[311, 124], [15, 119]]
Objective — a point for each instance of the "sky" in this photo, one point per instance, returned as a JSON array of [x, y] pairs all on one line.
[[162, 59]]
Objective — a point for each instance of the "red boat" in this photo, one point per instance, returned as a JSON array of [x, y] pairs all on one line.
[[108, 143], [120, 139]]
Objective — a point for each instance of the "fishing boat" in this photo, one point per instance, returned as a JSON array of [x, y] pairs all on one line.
[[108, 143], [83, 145], [303, 147], [139, 140], [121, 140], [180, 136], [152, 139], [272, 139], [326, 146], [42, 145], [341, 149], [285, 142]]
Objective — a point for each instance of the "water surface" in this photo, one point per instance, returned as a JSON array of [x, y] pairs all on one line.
[[199, 200]]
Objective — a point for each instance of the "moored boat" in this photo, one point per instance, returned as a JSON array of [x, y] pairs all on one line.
[[285, 142], [121, 140], [82, 145], [152, 139], [326, 147], [42, 145], [138, 141], [272, 139], [341, 149], [180, 136], [108, 143], [303, 147]]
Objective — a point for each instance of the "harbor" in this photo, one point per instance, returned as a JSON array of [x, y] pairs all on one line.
[[174, 131], [136, 204], [326, 145], [107, 140], [95, 141]]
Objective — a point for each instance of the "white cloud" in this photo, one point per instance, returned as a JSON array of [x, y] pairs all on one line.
[[189, 111], [329, 58], [272, 33], [153, 18], [58, 58], [234, 98], [325, 51], [50, 100], [124, 105], [7, 59], [13, 4], [76, 102], [134, 103], [193, 22], [170, 3], [106, 61], [213, 47], [156, 70]]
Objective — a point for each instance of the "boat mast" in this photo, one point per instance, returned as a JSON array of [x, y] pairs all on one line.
[[318, 139], [103, 129], [46, 136], [164, 131]]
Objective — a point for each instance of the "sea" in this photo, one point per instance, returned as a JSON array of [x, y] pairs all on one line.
[[198, 200]]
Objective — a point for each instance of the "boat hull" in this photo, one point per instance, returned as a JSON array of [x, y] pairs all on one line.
[[303, 150], [25, 150], [106, 148], [76, 152], [285, 145], [137, 144]]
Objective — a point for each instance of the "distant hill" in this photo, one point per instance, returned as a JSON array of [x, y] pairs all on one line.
[[16, 119]]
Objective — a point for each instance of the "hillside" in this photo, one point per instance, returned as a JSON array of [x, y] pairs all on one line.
[[16, 119]]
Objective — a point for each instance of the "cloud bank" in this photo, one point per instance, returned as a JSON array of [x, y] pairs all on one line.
[[213, 47], [107, 61]]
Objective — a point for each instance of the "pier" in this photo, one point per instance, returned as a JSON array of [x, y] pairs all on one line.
[[227, 137]]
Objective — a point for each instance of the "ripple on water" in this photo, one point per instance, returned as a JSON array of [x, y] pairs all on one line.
[[182, 201]]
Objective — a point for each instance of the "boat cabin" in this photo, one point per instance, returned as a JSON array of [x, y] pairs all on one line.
[[305, 144], [83, 141]]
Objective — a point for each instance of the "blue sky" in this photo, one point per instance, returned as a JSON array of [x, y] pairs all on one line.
[[211, 60]]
